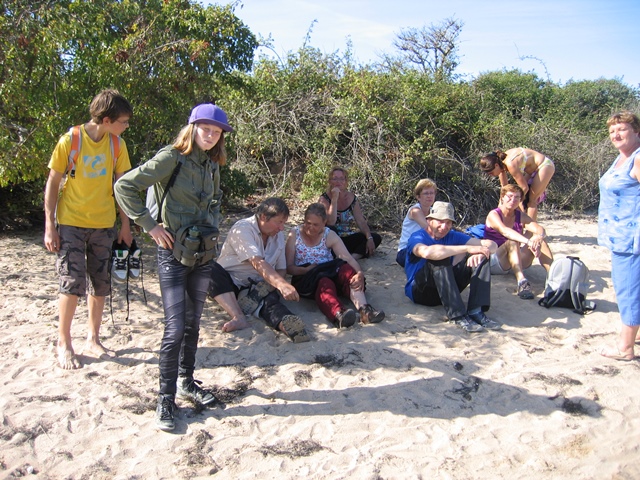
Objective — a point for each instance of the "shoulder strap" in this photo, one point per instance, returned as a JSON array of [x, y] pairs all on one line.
[[114, 141], [75, 133], [170, 183], [573, 289], [76, 144], [550, 300]]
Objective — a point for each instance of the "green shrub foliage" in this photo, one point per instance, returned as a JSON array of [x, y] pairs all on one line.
[[296, 116]]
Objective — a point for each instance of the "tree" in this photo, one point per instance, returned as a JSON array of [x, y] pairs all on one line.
[[163, 55], [433, 49]]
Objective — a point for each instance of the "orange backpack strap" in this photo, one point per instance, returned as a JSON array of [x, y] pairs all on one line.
[[114, 141], [75, 133], [76, 144]]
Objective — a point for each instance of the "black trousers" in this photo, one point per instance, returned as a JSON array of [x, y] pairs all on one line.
[[440, 283], [273, 311], [357, 242]]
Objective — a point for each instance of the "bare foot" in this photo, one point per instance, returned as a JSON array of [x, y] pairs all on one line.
[[616, 354], [96, 349], [235, 324], [67, 359]]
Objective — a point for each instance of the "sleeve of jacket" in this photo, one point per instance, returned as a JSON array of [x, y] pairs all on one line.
[[128, 187]]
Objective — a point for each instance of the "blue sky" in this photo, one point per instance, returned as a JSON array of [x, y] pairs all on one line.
[[575, 39]]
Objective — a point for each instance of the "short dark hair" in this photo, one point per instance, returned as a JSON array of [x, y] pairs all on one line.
[[109, 104], [272, 207]]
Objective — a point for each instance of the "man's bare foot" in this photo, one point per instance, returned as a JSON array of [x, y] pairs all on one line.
[[235, 324], [97, 350], [67, 359]]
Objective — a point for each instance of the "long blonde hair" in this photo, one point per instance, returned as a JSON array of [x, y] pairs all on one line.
[[186, 139]]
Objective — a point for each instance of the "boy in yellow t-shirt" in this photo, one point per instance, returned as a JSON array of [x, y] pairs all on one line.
[[80, 220]]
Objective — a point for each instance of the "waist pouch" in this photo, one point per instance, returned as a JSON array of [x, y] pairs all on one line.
[[192, 251]]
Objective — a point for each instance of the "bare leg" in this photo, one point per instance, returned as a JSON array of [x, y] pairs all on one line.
[[93, 346], [538, 186], [358, 298], [624, 345], [66, 309], [546, 257], [229, 303], [513, 254]]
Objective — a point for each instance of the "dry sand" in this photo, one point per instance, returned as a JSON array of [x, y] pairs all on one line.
[[412, 397]]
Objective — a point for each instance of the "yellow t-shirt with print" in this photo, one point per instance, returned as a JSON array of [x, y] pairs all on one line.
[[87, 200]]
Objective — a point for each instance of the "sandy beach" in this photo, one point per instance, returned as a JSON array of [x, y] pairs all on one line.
[[410, 398]]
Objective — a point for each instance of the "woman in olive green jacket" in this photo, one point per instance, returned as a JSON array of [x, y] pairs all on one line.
[[193, 199]]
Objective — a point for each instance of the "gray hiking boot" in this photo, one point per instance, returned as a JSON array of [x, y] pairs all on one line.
[[190, 389], [524, 290], [486, 322], [468, 325], [165, 413], [293, 326], [249, 299]]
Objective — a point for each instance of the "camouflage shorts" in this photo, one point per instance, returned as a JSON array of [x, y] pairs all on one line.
[[84, 260]]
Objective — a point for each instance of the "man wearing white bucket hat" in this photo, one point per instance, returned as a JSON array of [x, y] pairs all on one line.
[[442, 262]]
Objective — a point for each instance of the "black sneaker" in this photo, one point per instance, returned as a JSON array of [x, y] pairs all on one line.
[[468, 325], [165, 412], [190, 389], [134, 260], [120, 266], [345, 318], [486, 322], [368, 314]]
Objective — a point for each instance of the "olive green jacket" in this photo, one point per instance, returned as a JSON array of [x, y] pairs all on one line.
[[194, 198]]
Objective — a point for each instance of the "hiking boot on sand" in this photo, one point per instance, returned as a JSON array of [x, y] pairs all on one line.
[[250, 301], [368, 314], [190, 389], [486, 322], [165, 413], [468, 325], [524, 289], [120, 265], [134, 260], [345, 318], [293, 326]]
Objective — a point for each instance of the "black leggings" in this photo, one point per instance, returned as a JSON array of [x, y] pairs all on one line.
[[184, 291]]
